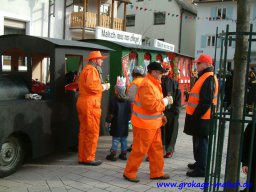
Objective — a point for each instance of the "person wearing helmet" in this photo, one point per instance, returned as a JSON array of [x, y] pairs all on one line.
[[147, 119], [170, 130], [88, 104], [198, 113], [138, 73]]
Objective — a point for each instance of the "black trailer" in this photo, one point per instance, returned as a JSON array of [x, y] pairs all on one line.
[[46, 121]]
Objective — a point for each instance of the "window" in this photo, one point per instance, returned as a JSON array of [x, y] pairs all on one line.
[[159, 18], [230, 41], [14, 60], [41, 68], [146, 42], [78, 8], [105, 9], [14, 27], [130, 20], [210, 41], [41, 74], [74, 65], [221, 13]]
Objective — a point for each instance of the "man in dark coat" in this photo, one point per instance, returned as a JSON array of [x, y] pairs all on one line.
[[197, 121], [170, 130], [245, 156]]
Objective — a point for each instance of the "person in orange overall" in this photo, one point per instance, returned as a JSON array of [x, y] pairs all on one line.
[[88, 105], [147, 119]]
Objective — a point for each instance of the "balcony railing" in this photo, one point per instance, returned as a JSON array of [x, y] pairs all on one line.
[[90, 20]]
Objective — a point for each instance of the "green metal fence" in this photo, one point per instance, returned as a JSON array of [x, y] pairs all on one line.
[[222, 117]]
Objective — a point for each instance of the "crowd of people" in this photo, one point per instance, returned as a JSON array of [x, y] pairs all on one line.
[[152, 103]]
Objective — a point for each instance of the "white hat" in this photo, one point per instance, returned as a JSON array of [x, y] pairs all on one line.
[[120, 81]]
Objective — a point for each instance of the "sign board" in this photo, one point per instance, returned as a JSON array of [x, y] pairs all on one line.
[[118, 36], [163, 45]]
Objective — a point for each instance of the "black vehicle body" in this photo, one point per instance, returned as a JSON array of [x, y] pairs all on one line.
[[39, 127]]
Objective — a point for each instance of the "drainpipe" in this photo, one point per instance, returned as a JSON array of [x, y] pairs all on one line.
[[181, 20], [51, 3], [64, 20]]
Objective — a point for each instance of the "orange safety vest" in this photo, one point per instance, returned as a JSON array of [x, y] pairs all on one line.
[[193, 100], [147, 119], [136, 81]]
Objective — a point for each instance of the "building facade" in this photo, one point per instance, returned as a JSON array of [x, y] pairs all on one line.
[[171, 21], [63, 19], [212, 14]]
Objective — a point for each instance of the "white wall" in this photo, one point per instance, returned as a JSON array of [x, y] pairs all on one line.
[[188, 36], [206, 27], [144, 20], [35, 14]]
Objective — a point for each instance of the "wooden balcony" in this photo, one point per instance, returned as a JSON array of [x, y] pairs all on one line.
[[90, 20]]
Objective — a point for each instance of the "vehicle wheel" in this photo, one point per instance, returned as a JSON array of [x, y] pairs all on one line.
[[11, 156]]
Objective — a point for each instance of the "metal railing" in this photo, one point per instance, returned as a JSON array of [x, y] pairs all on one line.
[[222, 119]]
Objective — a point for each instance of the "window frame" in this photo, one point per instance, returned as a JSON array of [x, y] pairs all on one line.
[[223, 13], [156, 19], [130, 16], [211, 41]]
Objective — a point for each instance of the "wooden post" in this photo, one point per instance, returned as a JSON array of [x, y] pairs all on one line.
[[98, 15], [83, 17], [86, 4], [112, 14], [124, 23], [238, 93]]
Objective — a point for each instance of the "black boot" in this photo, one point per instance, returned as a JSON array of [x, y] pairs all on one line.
[[130, 148], [123, 156], [111, 156]]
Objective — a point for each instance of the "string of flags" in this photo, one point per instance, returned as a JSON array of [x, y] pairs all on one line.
[[186, 17]]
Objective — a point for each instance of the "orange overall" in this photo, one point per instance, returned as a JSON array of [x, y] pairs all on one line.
[[146, 119], [89, 112]]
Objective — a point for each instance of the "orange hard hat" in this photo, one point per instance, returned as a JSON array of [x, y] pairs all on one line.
[[204, 58], [95, 55]]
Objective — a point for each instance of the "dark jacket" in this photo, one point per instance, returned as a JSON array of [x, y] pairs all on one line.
[[194, 125], [246, 153], [246, 146], [171, 87], [119, 116], [251, 92], [228, 90]]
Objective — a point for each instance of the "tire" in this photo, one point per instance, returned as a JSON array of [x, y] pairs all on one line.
[[11, 156]]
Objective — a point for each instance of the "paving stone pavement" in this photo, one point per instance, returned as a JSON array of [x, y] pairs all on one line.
[[62, 173]]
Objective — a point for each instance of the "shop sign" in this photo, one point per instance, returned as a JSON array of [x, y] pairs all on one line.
[[163, 45], [118, 36]]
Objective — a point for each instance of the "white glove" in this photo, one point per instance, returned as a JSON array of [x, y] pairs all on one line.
[[168, 100], [106, 86]]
